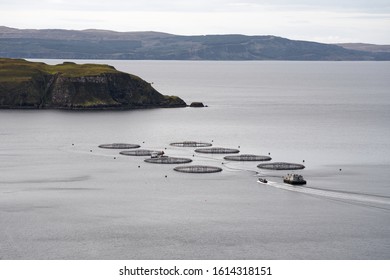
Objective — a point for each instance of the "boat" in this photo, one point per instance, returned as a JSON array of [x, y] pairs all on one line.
[[157, 154], [294, 179], [262, 180]]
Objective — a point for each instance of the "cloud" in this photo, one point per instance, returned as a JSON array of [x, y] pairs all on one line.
[[196, 6], [305, 20], [333, 5]]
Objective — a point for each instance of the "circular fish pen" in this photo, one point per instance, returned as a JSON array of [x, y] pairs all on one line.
[[190, 144], [121, 146], [281, 166], [248, 158], [168, 160], [139, 152], [217, 151], [198, 169]]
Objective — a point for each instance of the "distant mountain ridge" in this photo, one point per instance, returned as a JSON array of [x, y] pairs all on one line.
[[105, 44], [365, 47]]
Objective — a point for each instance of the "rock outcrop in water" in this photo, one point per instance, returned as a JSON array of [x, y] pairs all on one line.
[[25, 84], [197, 104]]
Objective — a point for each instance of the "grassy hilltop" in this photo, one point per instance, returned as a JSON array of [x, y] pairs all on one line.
[[25, 84], [20, 69]]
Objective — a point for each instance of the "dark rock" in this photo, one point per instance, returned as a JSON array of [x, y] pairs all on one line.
[[197, 104]]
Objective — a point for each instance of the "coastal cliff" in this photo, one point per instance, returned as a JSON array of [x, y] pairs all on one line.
[[25, 84]]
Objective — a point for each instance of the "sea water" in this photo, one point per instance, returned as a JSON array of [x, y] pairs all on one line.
[[61, 197]]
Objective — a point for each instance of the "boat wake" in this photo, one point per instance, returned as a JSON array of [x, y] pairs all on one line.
[[373, 200]]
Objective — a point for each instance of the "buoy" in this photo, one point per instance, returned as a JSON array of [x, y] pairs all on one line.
[[340, 169], [139, 166], [114, 157], [90, 151], [238, 146], [303, 160], [269, 153], [166, 176], [72, 144]]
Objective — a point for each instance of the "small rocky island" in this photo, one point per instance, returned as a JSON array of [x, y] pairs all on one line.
[[197, 105], [36, 85]]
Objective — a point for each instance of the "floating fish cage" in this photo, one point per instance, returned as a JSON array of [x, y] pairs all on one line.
[[139, 152], [168, 160], [190, 144], [248, 158], [198, 169], [121, 146], [281, 166], [217, 151]]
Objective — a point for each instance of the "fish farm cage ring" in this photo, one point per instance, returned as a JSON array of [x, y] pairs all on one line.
[[248, 158], [191, 144], [168, 160], [198, 169], [281, 166], [217, 151], [139, 152], [119, 146]]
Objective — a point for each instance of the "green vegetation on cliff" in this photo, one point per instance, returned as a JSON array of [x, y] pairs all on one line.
[[25, 84]]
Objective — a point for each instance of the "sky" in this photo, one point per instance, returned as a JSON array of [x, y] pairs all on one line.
[[327, 21]]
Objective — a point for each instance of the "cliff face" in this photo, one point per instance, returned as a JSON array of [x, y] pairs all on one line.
[[26, 84]]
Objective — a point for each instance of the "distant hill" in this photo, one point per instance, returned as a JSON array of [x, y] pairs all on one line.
[[104, 44], [365, 47]]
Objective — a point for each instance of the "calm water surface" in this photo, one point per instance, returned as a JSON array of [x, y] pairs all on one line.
[[64, 201]]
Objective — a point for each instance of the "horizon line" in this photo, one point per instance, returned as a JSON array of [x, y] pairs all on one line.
[[189, 35]]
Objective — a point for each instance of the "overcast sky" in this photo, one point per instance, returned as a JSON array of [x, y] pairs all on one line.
[[326, 21]]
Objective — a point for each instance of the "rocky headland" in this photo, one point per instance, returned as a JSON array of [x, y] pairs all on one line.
[[36, 85]]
